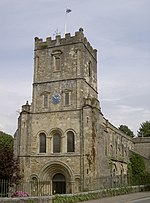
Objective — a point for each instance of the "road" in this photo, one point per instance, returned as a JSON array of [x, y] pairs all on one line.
[[140, 197]]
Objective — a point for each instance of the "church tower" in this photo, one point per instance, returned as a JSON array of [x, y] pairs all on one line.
[[57, 135]]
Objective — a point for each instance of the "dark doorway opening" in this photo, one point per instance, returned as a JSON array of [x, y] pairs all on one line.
[[59, 184]]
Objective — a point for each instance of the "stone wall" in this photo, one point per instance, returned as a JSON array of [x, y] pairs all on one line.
[[142, 146], [27, 200]]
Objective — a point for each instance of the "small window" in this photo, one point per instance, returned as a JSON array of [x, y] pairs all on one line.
[[70, 142], [56, 143], [56, 54], [57, 63], [90, 68], [116, 147], [106, 148], [67, 98], [45, 101], [111, 150], [42, 138]]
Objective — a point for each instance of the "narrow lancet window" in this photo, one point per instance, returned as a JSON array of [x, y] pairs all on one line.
[[42, 138], [90, 68], [46, 101], [67, 98], [70, 142]]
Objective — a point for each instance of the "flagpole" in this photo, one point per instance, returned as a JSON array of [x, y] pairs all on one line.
[[65, 22], [67, 3], [66, 13]]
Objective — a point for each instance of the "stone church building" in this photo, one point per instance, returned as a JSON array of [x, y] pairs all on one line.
[[63, 139]]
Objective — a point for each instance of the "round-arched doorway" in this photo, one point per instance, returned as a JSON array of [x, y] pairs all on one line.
[[59, 184]]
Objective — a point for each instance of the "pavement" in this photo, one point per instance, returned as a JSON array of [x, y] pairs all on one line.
[[121, 198]]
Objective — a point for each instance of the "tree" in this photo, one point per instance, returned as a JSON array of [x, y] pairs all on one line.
[[8, 164], [126, 130], [144, 130], [138, 165], [137, 170], [6, 140]]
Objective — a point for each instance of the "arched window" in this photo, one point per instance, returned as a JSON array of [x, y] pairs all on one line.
[[114, 175], [70, 142], [56, 143], [42, 138]]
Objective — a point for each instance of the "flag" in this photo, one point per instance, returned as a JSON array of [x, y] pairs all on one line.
[[68, 10]]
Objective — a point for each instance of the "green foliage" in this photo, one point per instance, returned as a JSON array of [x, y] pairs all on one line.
[[8, 164], [91, 195], [137, 172], [31, 201], [137, 165], [126, 130], [6, 140], [144, 130]]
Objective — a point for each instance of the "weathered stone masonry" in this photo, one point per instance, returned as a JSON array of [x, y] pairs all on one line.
[[62, 136]]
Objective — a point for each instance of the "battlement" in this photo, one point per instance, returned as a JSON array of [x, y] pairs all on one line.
[[58, 41]]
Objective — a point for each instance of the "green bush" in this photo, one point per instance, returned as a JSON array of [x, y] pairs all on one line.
[[91, 195]]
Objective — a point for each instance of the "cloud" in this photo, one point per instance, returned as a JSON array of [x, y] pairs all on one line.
[[119, 30]]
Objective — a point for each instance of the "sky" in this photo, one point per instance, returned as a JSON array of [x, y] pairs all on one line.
[[118, 29]]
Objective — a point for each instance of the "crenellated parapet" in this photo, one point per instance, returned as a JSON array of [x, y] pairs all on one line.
[[68, 39]]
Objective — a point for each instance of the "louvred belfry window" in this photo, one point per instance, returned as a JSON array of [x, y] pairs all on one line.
[[67, 102], [57, 63], [56, 56]]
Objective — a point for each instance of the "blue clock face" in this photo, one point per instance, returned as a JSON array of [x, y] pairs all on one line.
[[56, 98]]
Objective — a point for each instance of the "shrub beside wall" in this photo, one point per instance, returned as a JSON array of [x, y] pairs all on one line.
[[85, 196]]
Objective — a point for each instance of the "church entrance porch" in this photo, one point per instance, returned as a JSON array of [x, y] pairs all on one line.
[[60, 178]]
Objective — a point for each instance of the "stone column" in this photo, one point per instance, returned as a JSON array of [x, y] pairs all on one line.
[[63, 144], [72, 186], [48, 145]]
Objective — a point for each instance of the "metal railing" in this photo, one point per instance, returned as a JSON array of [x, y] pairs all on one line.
[[44, 188], [4, 188]]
